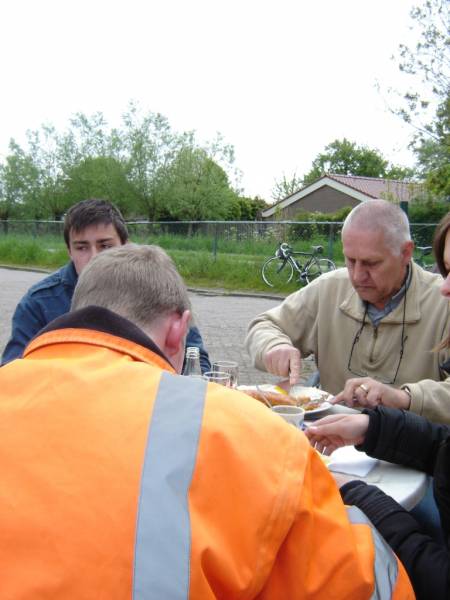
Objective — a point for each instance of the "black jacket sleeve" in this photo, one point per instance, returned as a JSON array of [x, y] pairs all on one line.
[[404, 438], [441, 487], [426, 561]]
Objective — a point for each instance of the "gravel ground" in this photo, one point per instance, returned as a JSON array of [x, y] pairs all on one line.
[[221, 317]]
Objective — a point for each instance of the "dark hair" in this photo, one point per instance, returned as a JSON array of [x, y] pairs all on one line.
[[93, 212], [439, 243], [440, 234]]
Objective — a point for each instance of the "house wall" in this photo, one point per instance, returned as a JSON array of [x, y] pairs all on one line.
[[325, 199]]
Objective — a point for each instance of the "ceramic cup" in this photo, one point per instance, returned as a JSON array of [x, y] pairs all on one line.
[[291, 414]]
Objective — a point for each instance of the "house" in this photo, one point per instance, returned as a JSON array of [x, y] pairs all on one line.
[[332, 192]]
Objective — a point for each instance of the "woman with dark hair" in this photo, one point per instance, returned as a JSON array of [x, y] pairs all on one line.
[[405, 438], [439, 242]]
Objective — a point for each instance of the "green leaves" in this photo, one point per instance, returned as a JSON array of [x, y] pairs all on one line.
[[145, 167], [426, 66], [343, 157]]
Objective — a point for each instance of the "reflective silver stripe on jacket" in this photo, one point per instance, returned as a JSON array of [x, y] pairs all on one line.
[[163, 532], [385, 565]]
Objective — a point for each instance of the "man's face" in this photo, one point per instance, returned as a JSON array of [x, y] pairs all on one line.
[[375, 272], [87, 243]]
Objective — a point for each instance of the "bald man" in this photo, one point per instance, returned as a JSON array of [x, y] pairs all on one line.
[[379, 317]]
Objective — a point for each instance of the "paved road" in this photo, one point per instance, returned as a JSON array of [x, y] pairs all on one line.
[[222, 320]]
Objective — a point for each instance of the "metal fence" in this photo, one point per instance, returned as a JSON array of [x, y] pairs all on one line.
[[223, 236]]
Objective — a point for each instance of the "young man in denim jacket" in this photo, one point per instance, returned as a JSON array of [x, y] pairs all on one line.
[[90, 227]]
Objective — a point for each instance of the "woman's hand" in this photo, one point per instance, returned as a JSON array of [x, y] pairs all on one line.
[[336, 431]]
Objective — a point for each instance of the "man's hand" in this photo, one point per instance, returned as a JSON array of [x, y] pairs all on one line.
[[284, 360], [367, 392], [336, 431]]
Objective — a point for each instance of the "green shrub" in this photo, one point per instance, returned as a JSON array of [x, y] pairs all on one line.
[[427, 212]]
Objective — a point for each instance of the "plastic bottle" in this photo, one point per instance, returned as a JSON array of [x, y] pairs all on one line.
[[192, 365]]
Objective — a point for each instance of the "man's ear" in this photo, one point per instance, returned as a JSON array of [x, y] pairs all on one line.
[[176, 333], [407, 251]]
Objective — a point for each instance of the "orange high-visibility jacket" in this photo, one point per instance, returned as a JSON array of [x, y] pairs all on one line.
[[119, 479]]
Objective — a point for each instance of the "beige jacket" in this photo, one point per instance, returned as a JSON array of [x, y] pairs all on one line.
[[324, 317]]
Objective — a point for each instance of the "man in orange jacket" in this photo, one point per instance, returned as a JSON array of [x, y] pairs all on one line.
[[121, 479]]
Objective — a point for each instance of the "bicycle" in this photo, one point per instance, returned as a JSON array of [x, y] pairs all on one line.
[[420, 258], [279, 269]]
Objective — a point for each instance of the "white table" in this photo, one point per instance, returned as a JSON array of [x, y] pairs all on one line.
[[405, 485]]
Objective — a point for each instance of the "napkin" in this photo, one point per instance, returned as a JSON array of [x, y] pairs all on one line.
[[348, 460]]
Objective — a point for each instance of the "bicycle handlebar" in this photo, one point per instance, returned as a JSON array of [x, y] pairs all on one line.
[[424, 250], [284, 251]]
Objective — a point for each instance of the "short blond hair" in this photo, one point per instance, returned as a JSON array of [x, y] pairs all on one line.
[[140, 283]]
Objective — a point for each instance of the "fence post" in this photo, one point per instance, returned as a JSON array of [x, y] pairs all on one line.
[[215, 242], [330, 241]]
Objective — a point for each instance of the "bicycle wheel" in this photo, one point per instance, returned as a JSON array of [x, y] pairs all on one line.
[[317, 267], [277, 272]]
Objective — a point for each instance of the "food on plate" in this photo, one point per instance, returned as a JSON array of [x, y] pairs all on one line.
[[309, 398], [309, 403], [306, 397], [269, 396]]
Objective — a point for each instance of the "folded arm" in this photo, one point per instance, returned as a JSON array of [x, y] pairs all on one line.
[[425, 561]]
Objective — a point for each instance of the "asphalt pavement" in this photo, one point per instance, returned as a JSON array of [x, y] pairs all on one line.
[[222, 318]]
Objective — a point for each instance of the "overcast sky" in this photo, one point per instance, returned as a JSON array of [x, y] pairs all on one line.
[[278, 79]]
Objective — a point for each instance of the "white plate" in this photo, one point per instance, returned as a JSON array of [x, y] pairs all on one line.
[[315, 411], [267, 387], [313, 393]]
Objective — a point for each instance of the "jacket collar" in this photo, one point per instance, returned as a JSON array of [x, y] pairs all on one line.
[[106, 321], [354, 307], [68, 274]]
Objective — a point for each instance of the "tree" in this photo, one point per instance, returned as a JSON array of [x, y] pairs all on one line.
[[223, 155], [89, 137], [346, 158], [150, 147], [195, 188], [134, 165], [429, 63], [250, 208], [101, 177], [20, 184], [433, 153], [286, 186]]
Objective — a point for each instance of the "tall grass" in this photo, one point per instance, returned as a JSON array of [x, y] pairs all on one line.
[[236, 265], [26, 250]]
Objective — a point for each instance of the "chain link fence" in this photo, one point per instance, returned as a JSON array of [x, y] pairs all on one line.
[[254, 237]]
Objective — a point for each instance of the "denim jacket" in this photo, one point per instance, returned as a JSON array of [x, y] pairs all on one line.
[[51, 298]]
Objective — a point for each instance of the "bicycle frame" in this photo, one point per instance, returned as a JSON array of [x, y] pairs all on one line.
[[299, 266], [290, 261]]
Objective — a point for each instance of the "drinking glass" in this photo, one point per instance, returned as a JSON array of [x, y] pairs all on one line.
[[227, 366], [218, 377]]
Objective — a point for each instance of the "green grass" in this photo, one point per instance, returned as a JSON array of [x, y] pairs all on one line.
[[236, 265], [32, 252]]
